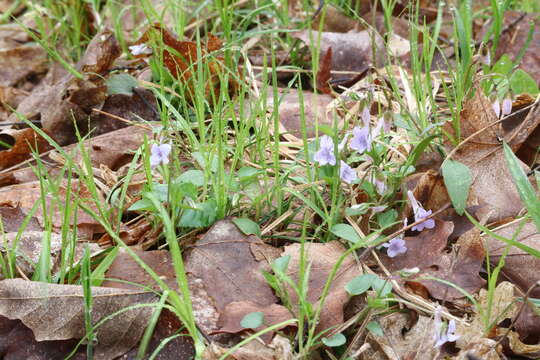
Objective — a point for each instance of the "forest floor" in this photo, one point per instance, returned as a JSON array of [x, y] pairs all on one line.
[[264, 179]]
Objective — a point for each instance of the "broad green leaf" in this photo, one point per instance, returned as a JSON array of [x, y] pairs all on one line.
[[419, 149], [375, 328], [382, 287], [195, 177], [247, 173], [143, 204], [521, 82], [247, 226], [281, 263], [203, 214], [252, 320], [458, 180], [346, 232], [503, 66], [360, 284], [334, 341], [524, 187], [387, 218], [121, 84]]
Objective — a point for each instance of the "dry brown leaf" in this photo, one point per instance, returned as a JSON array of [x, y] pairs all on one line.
[[233, 314], [518, 347], [185, 64], [24, 196], [427, 252], [18, 63], [126, 273], [405, 339], [58, 104], [230, 265], [25, 142], [176, 348], [475, 338], [519, 267], [351, 51], [322, 258], [279, 349], [290, 111], [18, 342], [56, 312], [30, 245], [492, 187]]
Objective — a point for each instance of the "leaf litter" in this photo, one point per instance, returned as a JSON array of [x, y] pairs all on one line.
[[404, 209]]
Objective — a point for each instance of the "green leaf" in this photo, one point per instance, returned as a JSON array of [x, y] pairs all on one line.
[[281, 264], [204, 162], [195, 177], [334, 341], [375, 328], [419, 150], [359, 209], [503, 66], [382, 287], [143, 204], [252, 320], [121, 84], [458, 180], [524, 187], [387, 218], [360, 284], [203, 215], [247, 173], [346, 232], [247, 226], [521, 82]]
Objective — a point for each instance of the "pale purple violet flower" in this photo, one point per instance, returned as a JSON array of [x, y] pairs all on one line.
[[140, 49], [380, 186], [361, 140], [419, 214], [325, 155], [346, 173], [160, 154], [395, 247], [502, 109], [443, 335], [497, 108], [506, 107]]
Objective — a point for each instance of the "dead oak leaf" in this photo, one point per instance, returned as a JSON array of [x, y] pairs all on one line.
[[230, 319], [56, 312], [427, 252], [322, 259], [492, 186], [227, 261]]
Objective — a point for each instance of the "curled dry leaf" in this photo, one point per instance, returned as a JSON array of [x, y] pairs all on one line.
[[322, 258], [24, 196], [55, 312], [427, 252], [404, 338]]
